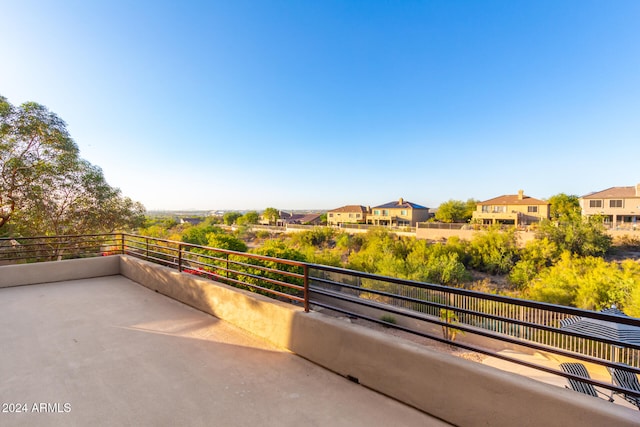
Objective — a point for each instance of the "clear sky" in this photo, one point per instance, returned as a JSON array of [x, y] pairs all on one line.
[[235, 104]]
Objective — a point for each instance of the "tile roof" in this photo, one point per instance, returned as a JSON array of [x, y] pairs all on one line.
[[614, 192], [350, 208], [513, 199], [400, 204]]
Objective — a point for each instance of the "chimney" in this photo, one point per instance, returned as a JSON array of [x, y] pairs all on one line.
[[401, 201], [638, 190], [520, 194]]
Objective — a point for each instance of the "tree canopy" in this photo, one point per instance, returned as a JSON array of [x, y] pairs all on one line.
[[248, 218], [563, 205], [46, 187], [579, 235], [230, 218], [271, 215], [456, 211]]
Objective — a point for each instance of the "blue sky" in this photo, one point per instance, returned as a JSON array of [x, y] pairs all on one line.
[[318, 104]]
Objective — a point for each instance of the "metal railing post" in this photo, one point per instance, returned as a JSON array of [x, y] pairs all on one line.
[[147, 248], [180, 257], [122, 251], [306, 288]]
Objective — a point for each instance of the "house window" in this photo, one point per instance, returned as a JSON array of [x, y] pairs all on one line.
[[385, 212], [615, 203], [532, 209], [330, 215], [403, 212], [350, 215], [595, 203], [486, 209], [498, 209], [358, 215], [376, 212]]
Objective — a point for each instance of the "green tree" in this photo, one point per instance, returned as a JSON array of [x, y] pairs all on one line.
[[250, 217], [226, 241], [435, 263], [34, 145], [380, 253], [200, 234], [494, 251], [230, 218], [563, 205], [587, 282], [323, 219], [535, 256], [584, 236], [318, 237], [271, 214], [456, 211], [46, 188]]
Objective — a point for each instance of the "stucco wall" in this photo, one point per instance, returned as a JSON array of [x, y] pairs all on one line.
[[441, 234], [57, 271]]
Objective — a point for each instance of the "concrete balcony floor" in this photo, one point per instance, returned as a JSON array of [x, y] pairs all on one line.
[[107, 351]]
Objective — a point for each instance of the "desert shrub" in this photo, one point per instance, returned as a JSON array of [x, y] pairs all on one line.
[[226, 241], [495, 251], [587, 282], [578, 235], [536, 255], [316, 237]]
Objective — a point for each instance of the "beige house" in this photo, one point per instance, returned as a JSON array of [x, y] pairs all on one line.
[[619, 206], [399, 213], [511, 209], [350, 214]]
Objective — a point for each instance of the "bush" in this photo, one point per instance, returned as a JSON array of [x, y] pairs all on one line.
[[494, 251], [536, 255], [588, 282], [578, 235]]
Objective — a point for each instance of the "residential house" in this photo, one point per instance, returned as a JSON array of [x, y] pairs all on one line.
[[350, 214], [619, 206], [399, 213], [511, 209], [298, 218], [192, 221]]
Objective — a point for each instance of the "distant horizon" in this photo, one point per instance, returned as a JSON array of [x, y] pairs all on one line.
[[366, 205], [253, 103]]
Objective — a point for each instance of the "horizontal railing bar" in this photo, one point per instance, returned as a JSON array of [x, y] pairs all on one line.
[[474, 330], [253, 276], [256, 266], [507, 320], [483, 296]]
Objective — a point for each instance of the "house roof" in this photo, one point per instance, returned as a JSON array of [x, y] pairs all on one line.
[[613, 193], [350, 208], [299, 217], [310, 217], [192, 221], [400, 204], [514, 199]]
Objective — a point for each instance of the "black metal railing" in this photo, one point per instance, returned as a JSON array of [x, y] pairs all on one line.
[[52, 248], [497, 320], [279, 278]]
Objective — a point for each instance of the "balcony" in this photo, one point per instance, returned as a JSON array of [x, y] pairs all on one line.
[[107, 337]]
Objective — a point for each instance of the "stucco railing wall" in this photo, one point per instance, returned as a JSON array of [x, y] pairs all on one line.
[[57, 271]]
